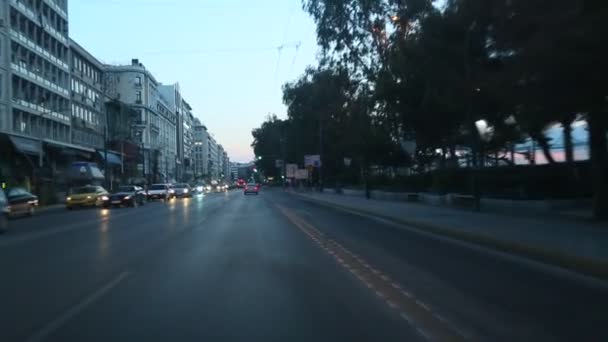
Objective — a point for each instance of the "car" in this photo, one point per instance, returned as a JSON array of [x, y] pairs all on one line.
[[159, 191], [181, 190], [4, 212], [199, 189], [87, 196], [219, 188], [251, 188], [21, 202], [127, 195]]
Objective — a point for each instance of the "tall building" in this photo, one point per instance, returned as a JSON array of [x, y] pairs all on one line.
[[212, 158], [186, 141], [226, 167], [200, 150], [88, 119], [183, 130], [155, 124], [37, 74], [35, 106]]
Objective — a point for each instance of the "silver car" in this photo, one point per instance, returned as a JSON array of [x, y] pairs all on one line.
[[181, 190]]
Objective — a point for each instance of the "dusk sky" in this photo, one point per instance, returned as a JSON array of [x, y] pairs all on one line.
[[223, 53]]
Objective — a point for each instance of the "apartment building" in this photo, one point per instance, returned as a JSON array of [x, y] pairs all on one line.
[[200, 150], [86, 89], [155, 123], [35, 94]]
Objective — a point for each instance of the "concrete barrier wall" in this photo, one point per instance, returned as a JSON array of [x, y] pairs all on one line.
[[353, 192], [433, 199]]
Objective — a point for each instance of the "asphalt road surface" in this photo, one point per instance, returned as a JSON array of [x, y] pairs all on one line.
[[229, 267]]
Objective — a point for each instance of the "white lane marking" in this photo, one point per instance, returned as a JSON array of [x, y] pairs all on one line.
[[406, 317], [391, 304], [384, 277], [423, 333], [533, 264], [58, 322], [452, 326], [380, 294], [407, 294], [423, 305], [395, 285]]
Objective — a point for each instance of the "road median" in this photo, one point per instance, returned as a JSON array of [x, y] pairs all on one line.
[[596, 267]]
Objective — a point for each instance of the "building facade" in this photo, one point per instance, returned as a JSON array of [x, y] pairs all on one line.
[[200, 150], [35, 96], [87, 109], [212, 158], [155, 125], [226, 167], [36, 72]]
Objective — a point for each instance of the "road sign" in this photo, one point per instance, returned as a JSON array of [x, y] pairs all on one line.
[[313, 160], [290, 170], [301, 174]]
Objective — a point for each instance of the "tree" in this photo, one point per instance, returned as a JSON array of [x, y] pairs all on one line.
[[268, 143]]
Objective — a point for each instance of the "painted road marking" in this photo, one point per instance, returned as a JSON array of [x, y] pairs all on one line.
[[418, 314], [60, 321]]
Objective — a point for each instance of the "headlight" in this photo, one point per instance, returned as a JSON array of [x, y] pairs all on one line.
[[208, 188], [199, 188], [127, 197], [89, 197], [185, 191], [171, 191], [105, 198], [68, 199]]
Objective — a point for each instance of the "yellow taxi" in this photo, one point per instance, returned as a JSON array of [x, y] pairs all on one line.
[[87, 196]]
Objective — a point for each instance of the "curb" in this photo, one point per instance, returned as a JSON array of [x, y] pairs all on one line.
[[586, 266]]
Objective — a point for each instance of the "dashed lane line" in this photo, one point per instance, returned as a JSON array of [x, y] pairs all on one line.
[[418, 314]]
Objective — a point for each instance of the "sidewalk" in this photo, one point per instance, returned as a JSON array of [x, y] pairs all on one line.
[[581, 246]]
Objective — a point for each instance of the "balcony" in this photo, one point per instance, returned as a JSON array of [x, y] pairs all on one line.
[[35, 18], [57, 9], [21, 38], [40, 110], [41, 81]]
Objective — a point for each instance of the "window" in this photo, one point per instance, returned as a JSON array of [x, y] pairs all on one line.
[[138, 96], [138, 80]]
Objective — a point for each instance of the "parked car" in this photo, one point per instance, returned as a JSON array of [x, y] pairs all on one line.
[[4, 212], [159, 191], [181, 190], [127, 195], [21, 202], [251, 188], [87, 196]]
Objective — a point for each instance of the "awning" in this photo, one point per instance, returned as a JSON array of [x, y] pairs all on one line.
[[66, 145], [25, 145], [70, 149], [113, 158]]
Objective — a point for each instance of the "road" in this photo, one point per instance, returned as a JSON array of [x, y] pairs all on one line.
[[228, 267]]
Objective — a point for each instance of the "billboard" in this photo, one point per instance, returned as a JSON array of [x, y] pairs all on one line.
[[313, 160], [290, 170], [301, 174]]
